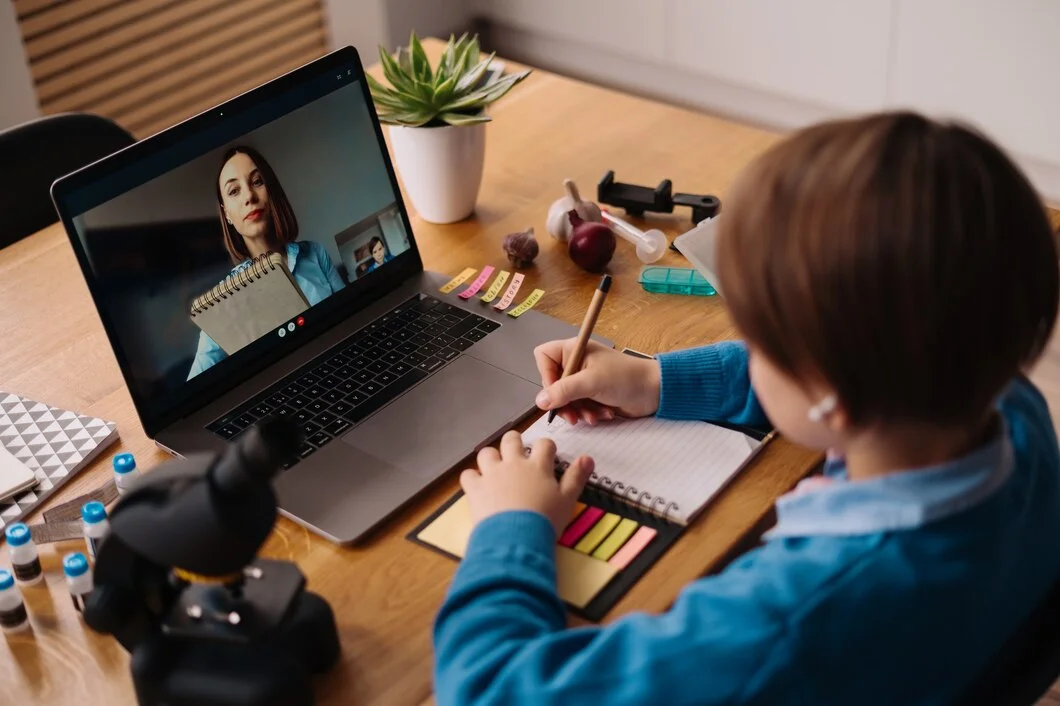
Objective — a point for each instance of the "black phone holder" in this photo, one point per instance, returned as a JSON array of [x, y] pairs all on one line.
[[178, 584], [638, 199]]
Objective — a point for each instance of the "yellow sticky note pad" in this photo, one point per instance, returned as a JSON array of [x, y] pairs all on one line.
[[616, 539], [496, 287], [458, 280], [579, 577], [534, 298], [598, 533]]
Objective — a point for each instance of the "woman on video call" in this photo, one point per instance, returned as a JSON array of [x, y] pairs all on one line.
[[257, 218]]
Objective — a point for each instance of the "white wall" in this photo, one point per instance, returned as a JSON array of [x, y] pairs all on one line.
[[18, 100], [785, 64], [366, 24]]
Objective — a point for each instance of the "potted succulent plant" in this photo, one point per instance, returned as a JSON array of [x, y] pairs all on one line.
[[436, 117]]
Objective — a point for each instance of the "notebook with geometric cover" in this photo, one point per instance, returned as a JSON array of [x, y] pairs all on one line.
[[54, 443]]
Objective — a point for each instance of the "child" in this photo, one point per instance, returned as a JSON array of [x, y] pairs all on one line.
[[892, 277]]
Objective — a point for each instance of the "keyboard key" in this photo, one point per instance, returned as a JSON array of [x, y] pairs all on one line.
[[261, 410], [330, 382], [370, 388], [317, 406], [277, 400], [360, 363], [324, 418], [337, 427], [417, 325], [348, 386], [302, 416], [400, 368], [337, 360], [464, 326], [344, 373], [461, 344], [355, 348], [390, 344], [393, 356], [298, 401], [285, 411], [306, 450], [356, 398], [431, 364], [448, 353], [374, 353], [340, 408], [430, 317], [450, 310], [228, 431], [332, 396], [310, 428], [245, 420], [429, 349], [425, 304], [449, 321], [476, 334], [377, 367], [314, 392], [394, 325], [385, 378], [323, 369], [320, 438], [443, 340], [293, 389], [307, 380], [409, 315], [389, 393], [407, 347], [404, 334], [414, 358], [421, 339], [362, 377], [488, 325], [435, 330]]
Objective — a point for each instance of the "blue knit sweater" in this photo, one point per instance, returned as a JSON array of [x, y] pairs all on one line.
[[896, 590]]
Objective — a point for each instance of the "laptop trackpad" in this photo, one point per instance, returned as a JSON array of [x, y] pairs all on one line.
[[439, 422]]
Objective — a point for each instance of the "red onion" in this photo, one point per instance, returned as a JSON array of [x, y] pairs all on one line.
[[591, 244]]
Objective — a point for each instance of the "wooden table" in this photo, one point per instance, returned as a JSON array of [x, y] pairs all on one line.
[[386, 592]]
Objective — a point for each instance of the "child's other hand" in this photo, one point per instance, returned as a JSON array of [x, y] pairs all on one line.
[[508, 479], [609, 383]]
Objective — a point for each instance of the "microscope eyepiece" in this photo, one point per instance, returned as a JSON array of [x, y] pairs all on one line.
[[257, 455]]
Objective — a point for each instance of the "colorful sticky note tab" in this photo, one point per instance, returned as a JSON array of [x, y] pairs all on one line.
[[578, 507], [632, 548], [579, 578], [580, 526], [495, 288], [513, 289], [616, 539], [472, 289], [598, 533], [534, 298], [457, 281]]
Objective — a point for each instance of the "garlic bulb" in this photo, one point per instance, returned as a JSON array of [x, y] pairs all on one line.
[[521, 247], [558, 224]]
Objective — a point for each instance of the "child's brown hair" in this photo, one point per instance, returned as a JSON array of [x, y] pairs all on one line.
[[906, 263]]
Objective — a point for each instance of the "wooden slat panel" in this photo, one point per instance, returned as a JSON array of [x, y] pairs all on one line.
[[63, 13], [103, 23], [115, 91], [175, 45], [27, 7], [222, 85], [142, 32]]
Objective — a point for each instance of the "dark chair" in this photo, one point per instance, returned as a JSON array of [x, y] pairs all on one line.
[[1027, 666], [36, 153]]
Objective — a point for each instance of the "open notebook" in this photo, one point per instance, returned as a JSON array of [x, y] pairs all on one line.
[[669, 468], [250, 303]]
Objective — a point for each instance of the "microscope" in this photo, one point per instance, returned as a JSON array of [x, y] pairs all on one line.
[[178, 583]]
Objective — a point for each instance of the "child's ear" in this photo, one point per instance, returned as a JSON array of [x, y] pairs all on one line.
[[838, 421]]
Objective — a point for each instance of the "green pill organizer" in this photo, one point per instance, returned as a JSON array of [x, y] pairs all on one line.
[[675, 280]]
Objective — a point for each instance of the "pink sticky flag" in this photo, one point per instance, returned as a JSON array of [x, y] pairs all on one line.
[[580, 526], [509, 296], [472, 289], [629, 551]]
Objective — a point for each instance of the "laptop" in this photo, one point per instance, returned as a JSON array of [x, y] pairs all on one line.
[[392, 382]]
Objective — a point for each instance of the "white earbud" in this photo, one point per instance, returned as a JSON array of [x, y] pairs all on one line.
[[822, 409]]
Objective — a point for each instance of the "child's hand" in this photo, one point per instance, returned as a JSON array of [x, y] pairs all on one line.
[[609, 383], [508, 479]]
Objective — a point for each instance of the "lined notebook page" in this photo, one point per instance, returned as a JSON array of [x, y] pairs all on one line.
[[660, 463]]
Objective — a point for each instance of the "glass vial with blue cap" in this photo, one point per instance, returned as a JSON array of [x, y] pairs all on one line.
[[78, 578], [125, 473], [95, 525], [25, 561], [13, 615]]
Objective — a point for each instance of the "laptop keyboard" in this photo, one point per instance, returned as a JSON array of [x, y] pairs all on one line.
[[360, 375]]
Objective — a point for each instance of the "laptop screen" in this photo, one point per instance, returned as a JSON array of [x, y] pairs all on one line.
[[229, 244]]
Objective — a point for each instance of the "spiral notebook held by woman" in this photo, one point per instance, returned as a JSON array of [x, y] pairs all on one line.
[[670, 468], [249, 303]]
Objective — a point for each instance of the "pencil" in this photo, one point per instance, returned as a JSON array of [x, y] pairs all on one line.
[[574, 364]]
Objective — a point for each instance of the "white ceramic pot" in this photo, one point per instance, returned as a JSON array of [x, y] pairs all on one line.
[[441, 168]]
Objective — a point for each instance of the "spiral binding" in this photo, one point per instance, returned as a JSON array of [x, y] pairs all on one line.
[[640, 499], [258, 268]]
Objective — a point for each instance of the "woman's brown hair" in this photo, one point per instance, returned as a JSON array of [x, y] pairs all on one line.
[[906, 263], [284, 224]]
